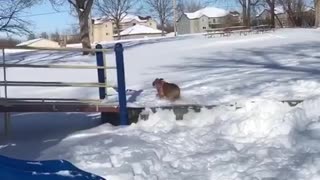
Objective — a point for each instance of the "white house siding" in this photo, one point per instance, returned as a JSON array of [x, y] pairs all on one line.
[[203, 24], [195, 26], [103, 32], [183, 25]]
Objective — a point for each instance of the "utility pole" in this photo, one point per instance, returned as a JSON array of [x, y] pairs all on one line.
[[174, 17]]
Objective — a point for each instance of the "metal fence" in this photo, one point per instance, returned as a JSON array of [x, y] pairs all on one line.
[[101, 84]]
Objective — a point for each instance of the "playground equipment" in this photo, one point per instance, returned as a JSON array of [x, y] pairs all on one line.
[[16, 169], [9, 104]]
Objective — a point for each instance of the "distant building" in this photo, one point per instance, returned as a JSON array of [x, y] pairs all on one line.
[[40, 42], [104, 29], [206, 19]]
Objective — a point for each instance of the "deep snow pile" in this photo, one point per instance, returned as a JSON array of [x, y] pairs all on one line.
[[263, 140]]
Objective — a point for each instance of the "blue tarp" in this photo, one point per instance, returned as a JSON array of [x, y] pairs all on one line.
[[14, 169]]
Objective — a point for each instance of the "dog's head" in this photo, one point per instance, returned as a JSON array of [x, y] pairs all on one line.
[[156, 81]]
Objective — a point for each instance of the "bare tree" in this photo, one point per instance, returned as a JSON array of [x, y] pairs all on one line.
[[191, 5], [11, 21], [161, 8], [294, 9], [31, 36], [83, 9], [247, 6], [271, 4], [115, 10], [55, 36], [44, 35], [9, 42]]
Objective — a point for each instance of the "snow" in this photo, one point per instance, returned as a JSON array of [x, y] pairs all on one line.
[[127, 18], [26, 43], [211, 12], [139, 29], [130, 17], [264, 139], [280, 65]]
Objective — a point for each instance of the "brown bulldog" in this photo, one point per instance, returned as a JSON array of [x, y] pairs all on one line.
[[166, 90]]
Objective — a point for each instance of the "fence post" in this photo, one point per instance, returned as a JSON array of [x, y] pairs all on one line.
[[121, 84], [101, 72], [6, 114]]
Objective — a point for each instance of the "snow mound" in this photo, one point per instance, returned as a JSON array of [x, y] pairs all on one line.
[[211, 12], [263, 140]]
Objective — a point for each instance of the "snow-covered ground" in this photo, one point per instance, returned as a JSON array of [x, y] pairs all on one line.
[[279, 65], [265, 139]]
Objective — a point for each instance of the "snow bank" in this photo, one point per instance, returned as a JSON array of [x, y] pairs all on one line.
[[262, 140]]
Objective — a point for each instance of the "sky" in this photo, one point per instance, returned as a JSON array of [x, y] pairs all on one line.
[[43, 18]]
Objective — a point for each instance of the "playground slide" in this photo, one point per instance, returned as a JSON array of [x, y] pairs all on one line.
[[14, 169]]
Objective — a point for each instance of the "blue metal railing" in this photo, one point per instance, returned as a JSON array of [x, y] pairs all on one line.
[[118, 48]]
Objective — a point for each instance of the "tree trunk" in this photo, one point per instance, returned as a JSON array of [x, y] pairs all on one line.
[[280, 23], [273, 22], [271, 4], [244, 14], [248, 13], [317, 8], [162, 28], [291, 15], [118, 29], [84, 32]]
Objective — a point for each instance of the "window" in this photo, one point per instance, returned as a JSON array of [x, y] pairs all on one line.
[[107, 34], [134, 24], [106, 25], [213, 21], [204, 27]]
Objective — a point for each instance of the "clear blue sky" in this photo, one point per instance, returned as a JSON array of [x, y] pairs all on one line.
[[45, 19]]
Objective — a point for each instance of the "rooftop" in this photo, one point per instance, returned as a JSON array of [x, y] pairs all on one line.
[[209, 12], [139, 29]]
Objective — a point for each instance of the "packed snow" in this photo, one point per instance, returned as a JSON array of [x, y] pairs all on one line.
[[263, 139], [211, 12]]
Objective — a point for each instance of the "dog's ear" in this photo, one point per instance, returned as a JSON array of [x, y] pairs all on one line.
[[154, 82], [161, 79]]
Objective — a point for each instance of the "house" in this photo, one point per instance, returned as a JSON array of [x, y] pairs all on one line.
[[104, 29], [40, 42], [139, 31], [304, 18], [206, 19]]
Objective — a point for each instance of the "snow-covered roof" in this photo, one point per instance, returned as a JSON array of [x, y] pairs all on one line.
[[130, 17], [127, 18], [209, 12], [26, 43], [139, 29]]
